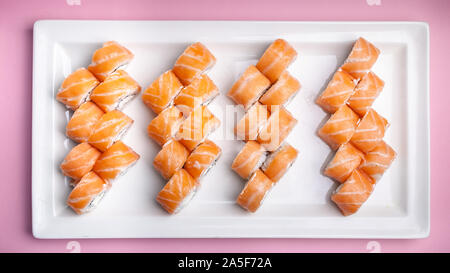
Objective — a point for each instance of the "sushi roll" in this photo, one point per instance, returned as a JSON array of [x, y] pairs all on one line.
[[170, 158], [277, 128], [79, 161], [249, 159], [344, 162], [352, 194], [370, 131], [249, 87], [82, 123], [365, 93], [377, 161], [165, 125], [279, 162], [340, 128], [338, 91], [282, 91], [361, 58], [110, 128], [160, 94], [178, 191], [195, 60], [255, 191], [115, 161], [251, 123], [197, 127], [115, 91], [108, 59], [202, 159], [200, 91], [277, 57], [76, 88], [87, 193]]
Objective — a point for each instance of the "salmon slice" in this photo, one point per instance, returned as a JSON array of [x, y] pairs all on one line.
[[365, 93], [361, 58], [277, 57], [195, 60], [249, 87], [370, 131], [177, 192], [160, 94], [202, 159], [196, 128], [277, 128], [165, 125], [377, 161], [110, 128], [344, 162], [251, 123], [279, 162], [350, 195], [108, 59], [79, 161], [76, 88], [282, 91], [115, 91], [82, 123], [171, 158], [338, 91], [87, 193], [200, 91], [115, 161], [255, 191], [340, 128], [249, 159]]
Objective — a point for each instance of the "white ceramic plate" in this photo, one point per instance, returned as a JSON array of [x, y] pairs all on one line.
[[299, 205]]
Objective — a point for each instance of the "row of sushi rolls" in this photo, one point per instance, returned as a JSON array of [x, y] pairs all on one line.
[[179, 97]]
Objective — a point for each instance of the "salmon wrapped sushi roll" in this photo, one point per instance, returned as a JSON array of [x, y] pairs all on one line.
[[352, 194], [115, 91], [344, 162], [178, 191], [277, 128], [200, 91], [87, 193], [255, 191], [76, 88], [110, 128], [202, 159], [195, 60], [277, 57], [160, 94], [361, 58], [377, 161], [115, 161], [370, 131], [279, 162], [249, 87], [338, 91], [165, 125], [282, 91], [251, 123], [82, 123], [170, 158], [340, 128], [108, 59], [79, 161], [365, 93], [249, 159]]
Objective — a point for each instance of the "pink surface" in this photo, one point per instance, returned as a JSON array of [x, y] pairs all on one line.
[[16, 23]]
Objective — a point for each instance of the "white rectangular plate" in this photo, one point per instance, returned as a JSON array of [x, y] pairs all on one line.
[[299, 205]]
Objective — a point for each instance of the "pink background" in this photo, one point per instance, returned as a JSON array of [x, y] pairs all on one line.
[[16, 23]]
